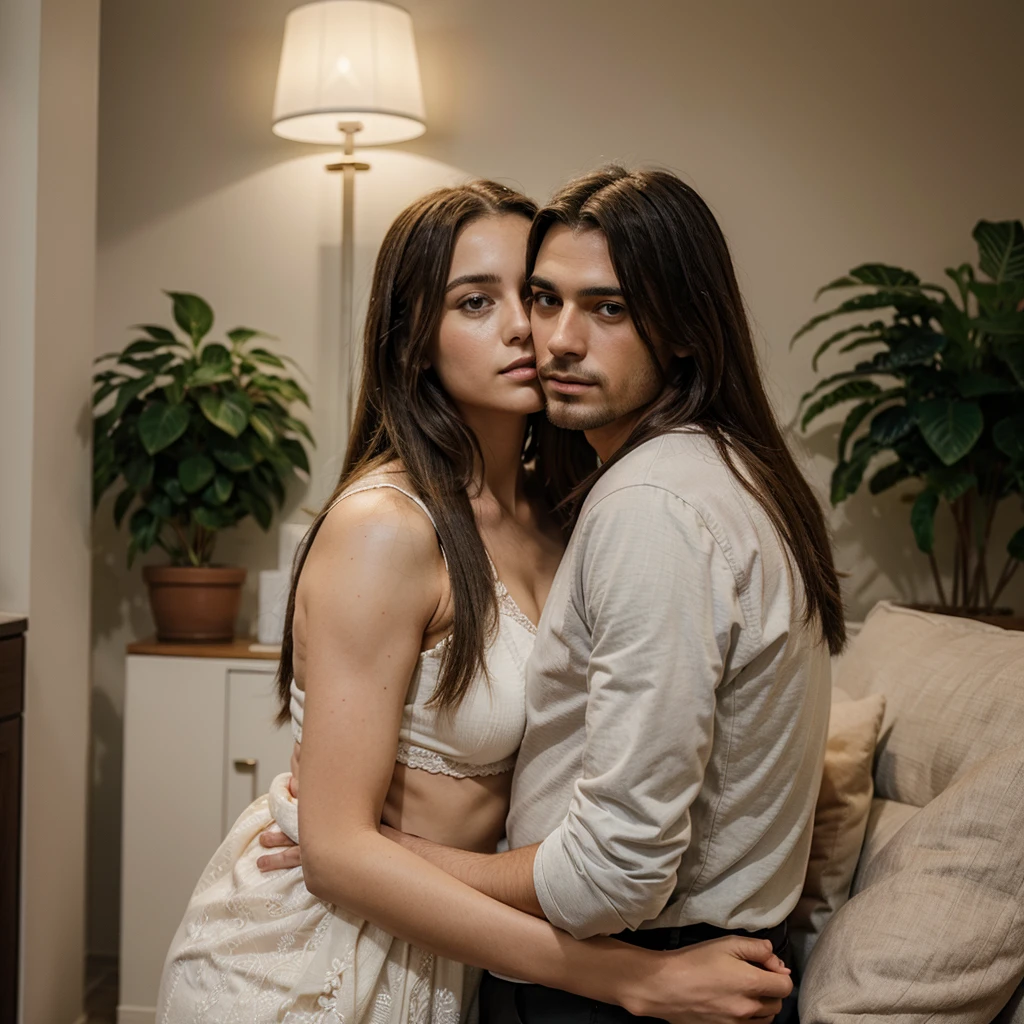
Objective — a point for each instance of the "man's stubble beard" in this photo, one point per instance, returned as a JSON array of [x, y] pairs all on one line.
[[644, 387], [569, 416]]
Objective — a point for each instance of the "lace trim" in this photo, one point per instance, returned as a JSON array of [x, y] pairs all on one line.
[[507, 604], [437, 764]]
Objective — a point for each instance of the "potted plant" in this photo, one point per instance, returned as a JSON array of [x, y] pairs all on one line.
[[200, 433], [940, 400]]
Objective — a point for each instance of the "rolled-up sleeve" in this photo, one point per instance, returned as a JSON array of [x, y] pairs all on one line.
[[659, 597]]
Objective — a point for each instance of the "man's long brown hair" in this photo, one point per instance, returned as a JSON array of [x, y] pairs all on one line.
[[404, 415], [677, 278]]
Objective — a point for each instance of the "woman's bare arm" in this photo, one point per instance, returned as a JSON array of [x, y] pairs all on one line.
[[369, 591]]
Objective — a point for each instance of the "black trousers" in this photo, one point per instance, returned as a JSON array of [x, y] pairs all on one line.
[[505, 1002]]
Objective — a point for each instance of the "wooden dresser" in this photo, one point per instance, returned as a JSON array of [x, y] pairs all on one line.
[[200, 744], [12, 703]]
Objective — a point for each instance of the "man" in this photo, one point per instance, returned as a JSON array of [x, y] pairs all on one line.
[[678, 692]]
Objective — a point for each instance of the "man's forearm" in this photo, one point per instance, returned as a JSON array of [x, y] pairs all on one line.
[[507, 877]]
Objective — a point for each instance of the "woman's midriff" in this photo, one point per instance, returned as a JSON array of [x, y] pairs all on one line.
[[465, 813]]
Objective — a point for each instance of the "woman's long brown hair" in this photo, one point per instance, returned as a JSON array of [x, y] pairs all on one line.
[[404, 415], [679, 284]]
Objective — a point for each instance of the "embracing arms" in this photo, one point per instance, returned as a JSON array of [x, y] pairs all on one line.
[[370, 591]]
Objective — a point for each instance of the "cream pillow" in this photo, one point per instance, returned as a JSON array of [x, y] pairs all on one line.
[[840, 818], [954, 692], [936, 930]]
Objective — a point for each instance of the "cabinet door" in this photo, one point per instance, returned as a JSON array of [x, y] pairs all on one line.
[[10, 815], [257, 749]]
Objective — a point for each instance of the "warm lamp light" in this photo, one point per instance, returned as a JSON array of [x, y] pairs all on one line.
[[349, 76], [349, 60]]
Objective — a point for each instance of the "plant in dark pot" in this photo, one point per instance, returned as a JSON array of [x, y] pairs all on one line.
[[939, 402], [200, 434]]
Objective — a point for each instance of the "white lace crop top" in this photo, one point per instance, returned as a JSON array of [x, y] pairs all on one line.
[[482, 735]]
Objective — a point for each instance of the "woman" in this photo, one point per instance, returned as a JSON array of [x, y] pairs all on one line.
[[410, 620]]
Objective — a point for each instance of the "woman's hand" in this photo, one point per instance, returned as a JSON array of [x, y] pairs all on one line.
[[723, 981]]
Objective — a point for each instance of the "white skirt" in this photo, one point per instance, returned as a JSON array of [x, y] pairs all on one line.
[[256, 947]]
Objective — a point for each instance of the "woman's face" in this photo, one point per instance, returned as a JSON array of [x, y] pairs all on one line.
[[483, 354]]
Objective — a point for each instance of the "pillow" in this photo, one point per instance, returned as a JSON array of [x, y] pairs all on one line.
[[840, 819], [954, 691], [937, 928], [887, 817]]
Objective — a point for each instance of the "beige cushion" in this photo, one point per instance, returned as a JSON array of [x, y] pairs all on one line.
[[887, 817], [954, 693], [840, 818], [937, 928]]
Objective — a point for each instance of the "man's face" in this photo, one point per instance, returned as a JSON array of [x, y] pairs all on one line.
[[594, 367]]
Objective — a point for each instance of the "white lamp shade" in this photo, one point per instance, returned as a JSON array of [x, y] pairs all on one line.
[[349, 60]]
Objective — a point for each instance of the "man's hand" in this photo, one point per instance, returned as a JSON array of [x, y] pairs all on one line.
[[723, 981]]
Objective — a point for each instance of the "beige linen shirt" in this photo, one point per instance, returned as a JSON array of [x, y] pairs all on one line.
[[677, 707]]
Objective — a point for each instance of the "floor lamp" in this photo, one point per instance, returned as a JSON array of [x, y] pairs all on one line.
[[349, 76]]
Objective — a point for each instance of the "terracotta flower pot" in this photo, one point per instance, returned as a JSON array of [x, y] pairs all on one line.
[[998, 617], [197, 605]]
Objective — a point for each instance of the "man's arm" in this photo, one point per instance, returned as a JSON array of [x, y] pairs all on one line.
[[661, 604]]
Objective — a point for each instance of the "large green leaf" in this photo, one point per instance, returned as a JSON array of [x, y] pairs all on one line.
[[264, 424], [192, 314], [1000, 249], [240, 335], [950, 427], [833, 339], [195, 473], [1011, 352], [1008, 435], [908, 302], [922, 520], [215, 354], [920, 348], [234, 457], [877, 275], [219, 490], [127, 394], [286, 389], [888, 476], [138, 472], [891, 424], [143, 346], [847, 476], [122, 504], [844, 393], [159, 333], [296, 453], [262, 355], [173, 489], [977, 384], [145, 528], [105, 389], [227, 413], [951, 484], [160, 506], [299, 427], [259, 509], [161, 425]]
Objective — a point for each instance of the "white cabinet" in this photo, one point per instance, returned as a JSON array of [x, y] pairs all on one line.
[[200, 744]]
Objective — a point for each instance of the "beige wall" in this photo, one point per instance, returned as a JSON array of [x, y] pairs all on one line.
[[49, 64], [822, 134]]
